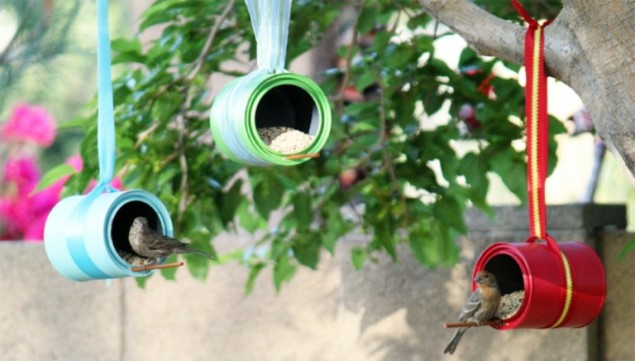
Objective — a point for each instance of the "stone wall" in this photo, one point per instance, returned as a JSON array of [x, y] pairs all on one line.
[[389, 311]]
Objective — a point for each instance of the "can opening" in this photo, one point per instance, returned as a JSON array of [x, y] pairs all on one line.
[[123, 219], [511, 284], [288, 106], [507, 272]]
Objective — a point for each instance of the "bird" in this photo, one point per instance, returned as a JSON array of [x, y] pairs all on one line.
[[481, 306], [148, 243]]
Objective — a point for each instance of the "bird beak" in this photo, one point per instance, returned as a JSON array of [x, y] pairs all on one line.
[[478, 279]]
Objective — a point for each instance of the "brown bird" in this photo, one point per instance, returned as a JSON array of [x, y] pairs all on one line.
[[146, 242], [480, 307]]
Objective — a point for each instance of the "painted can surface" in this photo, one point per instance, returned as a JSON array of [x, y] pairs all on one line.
[[264, 99], [540, 270], [83, 233]]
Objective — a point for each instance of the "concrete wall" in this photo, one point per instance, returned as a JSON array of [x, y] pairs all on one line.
[[389, 311]]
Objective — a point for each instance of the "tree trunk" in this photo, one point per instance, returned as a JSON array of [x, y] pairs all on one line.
[[590, 46]]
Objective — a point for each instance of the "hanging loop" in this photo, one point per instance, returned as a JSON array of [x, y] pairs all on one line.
[[105, 109], [551, 242], [537, 123], [270, 20]]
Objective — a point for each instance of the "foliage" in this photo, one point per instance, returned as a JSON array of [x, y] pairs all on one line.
[[391, 169], [41, 34]]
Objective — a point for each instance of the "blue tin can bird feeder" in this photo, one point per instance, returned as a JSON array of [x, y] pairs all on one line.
[[86, 237]]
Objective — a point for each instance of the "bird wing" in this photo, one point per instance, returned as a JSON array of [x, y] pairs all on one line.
[[471, 306], [166, 243]]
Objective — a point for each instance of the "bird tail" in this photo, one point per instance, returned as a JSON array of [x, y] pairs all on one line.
[[451, 347], [198, 251]]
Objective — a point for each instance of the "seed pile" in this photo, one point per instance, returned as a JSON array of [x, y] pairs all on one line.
[[134, 259], [285, 140], [510, 303]]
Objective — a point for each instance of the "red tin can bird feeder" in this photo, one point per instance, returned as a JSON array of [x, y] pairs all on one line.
[[564, 284]]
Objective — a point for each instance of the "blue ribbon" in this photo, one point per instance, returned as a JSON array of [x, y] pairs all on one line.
[[105, 116], [105, 149]]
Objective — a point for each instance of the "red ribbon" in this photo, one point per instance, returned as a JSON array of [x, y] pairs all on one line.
[[537, 123]]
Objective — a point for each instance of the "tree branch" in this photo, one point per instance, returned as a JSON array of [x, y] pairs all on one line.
[[486, 33], [493, 36]]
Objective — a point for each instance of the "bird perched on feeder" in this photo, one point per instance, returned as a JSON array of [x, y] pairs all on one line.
[[146, 242], [480, 307]]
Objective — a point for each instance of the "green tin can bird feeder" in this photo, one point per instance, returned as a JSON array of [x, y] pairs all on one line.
[[270, 116]]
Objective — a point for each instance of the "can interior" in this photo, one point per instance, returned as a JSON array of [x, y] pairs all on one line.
[[507, 273], [288, 106], [123, 219]]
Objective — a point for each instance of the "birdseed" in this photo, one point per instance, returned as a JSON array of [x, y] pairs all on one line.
[[134, 259], [285, 140], [510, 304]]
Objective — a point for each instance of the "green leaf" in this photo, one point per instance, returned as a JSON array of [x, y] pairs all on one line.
[[398, 55], [447, 247], [449, 211], [197, 265], [336, 227], [230, 201], [268, 196], [306, 249], [126, 51], [384, 236], [54, 175], [419, 244], [167, 173], [251, 279], [230, 257], [302, 211], [626, 250], [358, 257], [475, 168], [283, 271], [513, 172], [366, 19], [75, 123], [169, 273], [249, 220], [367, 78], [141, 281], [125, 44]]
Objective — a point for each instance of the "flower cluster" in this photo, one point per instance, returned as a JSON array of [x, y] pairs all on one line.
[[29, 124], [23, 211]]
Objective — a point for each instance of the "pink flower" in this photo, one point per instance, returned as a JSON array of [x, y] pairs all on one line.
[[23, 214], [15, 217], [76, 162], [23, 173], [29, 123]]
